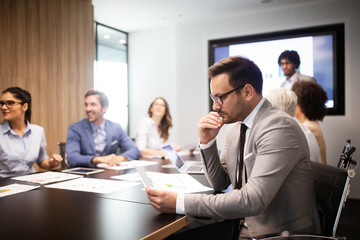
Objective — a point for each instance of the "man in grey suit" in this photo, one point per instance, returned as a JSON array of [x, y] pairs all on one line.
[[289, 61], [277, 193]]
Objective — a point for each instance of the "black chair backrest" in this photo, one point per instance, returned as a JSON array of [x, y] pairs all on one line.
[[330, 183], [62, 152]]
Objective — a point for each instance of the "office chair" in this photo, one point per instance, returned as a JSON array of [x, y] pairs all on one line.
[[332, 187], [62, 151]]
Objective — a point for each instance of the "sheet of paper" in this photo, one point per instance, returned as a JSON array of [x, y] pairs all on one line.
[[47, 177], [15, 188], [144, 178], [132, 177], [93, 185], [127, 164], [178, 182]]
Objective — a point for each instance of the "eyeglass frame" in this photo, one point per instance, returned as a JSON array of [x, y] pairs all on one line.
[[218, 99], [6, 103]]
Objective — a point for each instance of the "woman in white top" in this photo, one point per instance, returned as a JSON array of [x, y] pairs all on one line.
[[286, 100], [153, 131]]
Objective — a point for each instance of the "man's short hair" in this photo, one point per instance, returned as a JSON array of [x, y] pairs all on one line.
[[292, 56], [241, 71], [102, 97], [285, 100]]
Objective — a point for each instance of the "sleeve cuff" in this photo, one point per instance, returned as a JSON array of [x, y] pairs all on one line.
[[205, 146], [180, 204]]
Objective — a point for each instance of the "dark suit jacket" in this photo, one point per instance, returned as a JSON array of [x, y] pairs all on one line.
[[80, 148], [278, 194]]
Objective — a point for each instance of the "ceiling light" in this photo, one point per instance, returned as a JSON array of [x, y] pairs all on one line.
[[106, 36], [122, 41]]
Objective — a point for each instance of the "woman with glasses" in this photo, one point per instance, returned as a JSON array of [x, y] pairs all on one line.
[[21, 143], [153, 131]]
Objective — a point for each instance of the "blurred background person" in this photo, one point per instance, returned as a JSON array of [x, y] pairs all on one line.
[[153, 131], [95, 140], [21, 144], [286, 100], [289, 61], [311, 109]]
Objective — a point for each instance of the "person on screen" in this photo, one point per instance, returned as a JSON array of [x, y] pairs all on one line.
[[273, 190], [286, 100], [153, 131], [289, 61], [21, 143], [311, 99], [95, 140]]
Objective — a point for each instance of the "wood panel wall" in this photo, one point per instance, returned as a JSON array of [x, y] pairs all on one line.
[[47, 47]]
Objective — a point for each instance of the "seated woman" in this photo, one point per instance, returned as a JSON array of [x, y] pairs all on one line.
[[21, 143], [311, 109], [286, 100], [153, 131]]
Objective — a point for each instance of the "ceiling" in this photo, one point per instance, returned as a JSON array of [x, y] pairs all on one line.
[[137, 15]]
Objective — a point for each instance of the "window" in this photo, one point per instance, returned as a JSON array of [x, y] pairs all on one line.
[[111, 71]]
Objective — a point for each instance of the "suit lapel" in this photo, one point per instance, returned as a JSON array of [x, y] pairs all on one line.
[[89, 134], [108, 137]]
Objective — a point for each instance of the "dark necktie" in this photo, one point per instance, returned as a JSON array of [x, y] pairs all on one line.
[[236, 222], [241, 161]]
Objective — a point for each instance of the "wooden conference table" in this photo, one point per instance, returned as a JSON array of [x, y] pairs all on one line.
[[46, 213]]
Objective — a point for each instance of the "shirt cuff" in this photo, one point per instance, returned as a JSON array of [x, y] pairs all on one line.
[[206, 146], [180, 204]]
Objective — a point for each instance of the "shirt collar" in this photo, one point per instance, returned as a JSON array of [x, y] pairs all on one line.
[[293, 77], [94, 127], [248, 121], [6, 128]]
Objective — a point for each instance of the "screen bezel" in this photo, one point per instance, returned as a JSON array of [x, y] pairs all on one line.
[[336, 30]]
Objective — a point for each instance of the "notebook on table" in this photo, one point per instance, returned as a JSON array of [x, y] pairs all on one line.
[[179, 163]]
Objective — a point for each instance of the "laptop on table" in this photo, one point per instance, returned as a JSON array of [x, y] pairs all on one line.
[[179, 163]]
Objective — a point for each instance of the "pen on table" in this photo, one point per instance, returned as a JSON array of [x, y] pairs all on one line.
[[158, 157]]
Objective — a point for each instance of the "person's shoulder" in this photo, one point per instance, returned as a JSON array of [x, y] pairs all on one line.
[[272, 116], [303, 77], [79, 124], [112, 125], [147, 120], [34, 127]]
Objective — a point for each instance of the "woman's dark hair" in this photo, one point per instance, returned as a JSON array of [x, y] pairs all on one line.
[[311, 99], [24, 96], [166, 122]]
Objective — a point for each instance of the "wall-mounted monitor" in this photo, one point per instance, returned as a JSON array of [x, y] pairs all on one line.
[[321, 51]]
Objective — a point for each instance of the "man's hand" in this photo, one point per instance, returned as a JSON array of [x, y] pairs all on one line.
[[161, 200], [209, 127], [110, 160]]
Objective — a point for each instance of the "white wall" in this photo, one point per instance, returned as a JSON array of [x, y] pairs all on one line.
[[185, 52], [151, 73]]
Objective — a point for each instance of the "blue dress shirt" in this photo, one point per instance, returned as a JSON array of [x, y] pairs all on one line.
[[18, 154]]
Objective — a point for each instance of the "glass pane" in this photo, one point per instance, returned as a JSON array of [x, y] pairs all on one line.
[[111, 72]]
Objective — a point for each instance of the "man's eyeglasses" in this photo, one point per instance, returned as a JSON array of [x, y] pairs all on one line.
[[9, 103], [218, 99]]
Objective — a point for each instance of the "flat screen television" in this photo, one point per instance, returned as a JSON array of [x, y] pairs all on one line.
[[321, 51]]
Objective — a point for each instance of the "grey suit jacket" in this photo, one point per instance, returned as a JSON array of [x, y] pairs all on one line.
[[278, 194]]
